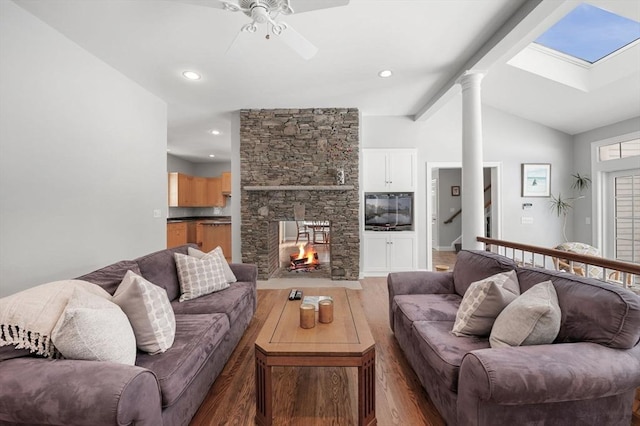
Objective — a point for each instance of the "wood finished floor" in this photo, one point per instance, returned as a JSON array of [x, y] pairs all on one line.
[[315, 396]]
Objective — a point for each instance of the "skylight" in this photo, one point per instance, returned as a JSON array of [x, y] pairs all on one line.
[[590, 33]]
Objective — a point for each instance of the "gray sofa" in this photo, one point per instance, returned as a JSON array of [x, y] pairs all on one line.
[[164, 389], [587, 376]]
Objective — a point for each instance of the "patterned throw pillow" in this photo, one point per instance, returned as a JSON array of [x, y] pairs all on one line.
[[482, 303], [93, 328], [148, 308], [228, 273], [532, 319], [199, 276]]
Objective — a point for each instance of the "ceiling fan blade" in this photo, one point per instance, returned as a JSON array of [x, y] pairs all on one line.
[[298, 43], [301, 6], [238, 39]]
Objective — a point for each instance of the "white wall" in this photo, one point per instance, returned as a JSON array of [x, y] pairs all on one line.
[[82, 158], [508, 139]]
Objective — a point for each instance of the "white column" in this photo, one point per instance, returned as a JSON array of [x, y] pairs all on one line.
[[472, 176]]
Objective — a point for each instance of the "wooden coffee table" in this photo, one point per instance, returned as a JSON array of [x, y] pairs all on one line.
[[346, 342]]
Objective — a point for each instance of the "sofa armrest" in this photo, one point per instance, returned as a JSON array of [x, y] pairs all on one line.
[[418, 282], [70, 392], [544, 374], [245, 272]]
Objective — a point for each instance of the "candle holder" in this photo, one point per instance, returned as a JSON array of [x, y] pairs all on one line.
[[307, 315], [325, 311]]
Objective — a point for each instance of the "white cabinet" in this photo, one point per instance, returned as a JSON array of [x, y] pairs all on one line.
[[389, 170], [389, 252]]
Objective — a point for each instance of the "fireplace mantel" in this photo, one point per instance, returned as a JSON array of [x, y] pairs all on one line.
[[300, 188]]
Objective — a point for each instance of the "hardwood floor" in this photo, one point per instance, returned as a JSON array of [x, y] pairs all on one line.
[[314, 396]]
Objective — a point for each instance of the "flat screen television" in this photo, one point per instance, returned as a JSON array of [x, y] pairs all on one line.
[[390, 211]]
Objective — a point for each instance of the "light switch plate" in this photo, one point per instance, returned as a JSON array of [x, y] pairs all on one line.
[[526, 220]]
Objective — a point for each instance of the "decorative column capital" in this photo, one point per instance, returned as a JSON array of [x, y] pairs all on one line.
[[470, 79]]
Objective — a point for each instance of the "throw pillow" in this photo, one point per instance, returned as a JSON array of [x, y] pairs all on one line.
[[27, 318], [228, 273], [482, 303], [199, 276], [148, 308], [93, 328], [531, 319]]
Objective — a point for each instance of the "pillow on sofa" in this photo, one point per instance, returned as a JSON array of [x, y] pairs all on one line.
[[228, 273], [148, 308], [93, 328], [199, 276], [28, 317], [532, 319], [482, 303]]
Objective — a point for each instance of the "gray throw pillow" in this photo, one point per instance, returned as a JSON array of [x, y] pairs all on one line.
[[228, 273], [482, 303], [199, 276], [531, 319]]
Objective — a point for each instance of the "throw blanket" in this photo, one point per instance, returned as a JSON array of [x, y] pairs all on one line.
[[28, 317]]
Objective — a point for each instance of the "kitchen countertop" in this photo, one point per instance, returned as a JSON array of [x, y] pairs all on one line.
[[207, 220]]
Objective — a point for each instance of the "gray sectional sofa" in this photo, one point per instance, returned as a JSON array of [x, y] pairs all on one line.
[[587, 376], [163, 389]]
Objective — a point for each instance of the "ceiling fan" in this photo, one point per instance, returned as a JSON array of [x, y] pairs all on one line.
[[265, 12]]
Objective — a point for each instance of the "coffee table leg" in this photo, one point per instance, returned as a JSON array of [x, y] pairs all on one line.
[[367, 389], [263, 390]]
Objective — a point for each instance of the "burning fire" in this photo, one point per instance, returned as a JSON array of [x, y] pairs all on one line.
[[308, 254]]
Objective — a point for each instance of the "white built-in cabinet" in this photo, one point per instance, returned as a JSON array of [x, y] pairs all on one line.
[[389, 170], [389, 251]]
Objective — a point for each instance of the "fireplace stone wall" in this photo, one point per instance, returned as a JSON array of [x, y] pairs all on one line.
[[296, 152]]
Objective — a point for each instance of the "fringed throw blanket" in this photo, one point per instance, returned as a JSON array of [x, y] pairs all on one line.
[[28, 317]]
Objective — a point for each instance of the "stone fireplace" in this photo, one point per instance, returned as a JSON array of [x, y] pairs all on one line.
[[289, 159]]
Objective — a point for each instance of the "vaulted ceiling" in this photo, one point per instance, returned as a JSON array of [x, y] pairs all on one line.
[[426, 43]]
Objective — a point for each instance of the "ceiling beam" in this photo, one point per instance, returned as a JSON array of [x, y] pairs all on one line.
[[524, 26]]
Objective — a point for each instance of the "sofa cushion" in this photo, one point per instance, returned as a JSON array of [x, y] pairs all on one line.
[[149, 311], [592, 310], [95, 329], [197, 337], [199, 276], [482, 303], [475, 265], [160, 269], [228, 273], [443, 351], [428, 307], [110, 277], [232, 301], [532, 319]]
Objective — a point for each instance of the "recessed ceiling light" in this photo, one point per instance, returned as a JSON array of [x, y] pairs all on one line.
[[215, 132], [168, 150], [191, 75], [211, 155], [385, 73]]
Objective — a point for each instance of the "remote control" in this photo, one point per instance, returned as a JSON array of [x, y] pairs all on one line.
[[298, 295], [292, 295]]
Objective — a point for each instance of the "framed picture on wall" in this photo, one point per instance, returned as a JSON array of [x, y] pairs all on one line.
[[536, 180], [455, 191]]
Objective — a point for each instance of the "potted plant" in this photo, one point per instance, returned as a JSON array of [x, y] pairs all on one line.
[[561, 205]]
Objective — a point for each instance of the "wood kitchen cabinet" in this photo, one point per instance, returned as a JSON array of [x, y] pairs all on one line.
[[195, 191], [214, 192], [200, 192], [176, 234], [226, 183], [180, 190], [212, 235]]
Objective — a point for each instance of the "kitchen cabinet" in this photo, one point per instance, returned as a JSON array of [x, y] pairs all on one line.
[[226, 183], [211, 235], [180, 190], [176, 234], [389, 170], [214, 192], [195, 191], [386, 252], [200, 192]]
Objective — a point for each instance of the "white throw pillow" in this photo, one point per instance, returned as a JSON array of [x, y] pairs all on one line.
[[228, 273], [531, 319], [199, 276], [148, 308], [93, 328], [482, 303]]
